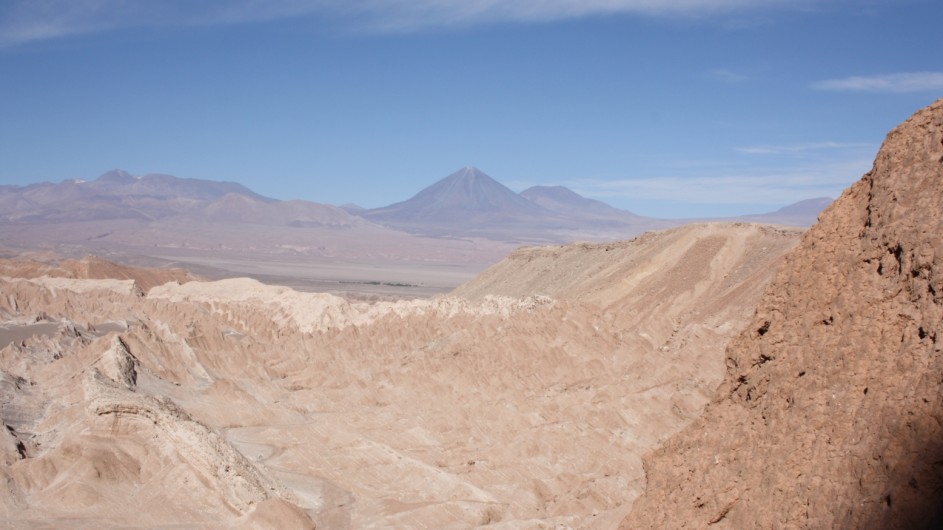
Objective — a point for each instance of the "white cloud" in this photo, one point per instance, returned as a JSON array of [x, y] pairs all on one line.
[[33, 20], [905, 82]]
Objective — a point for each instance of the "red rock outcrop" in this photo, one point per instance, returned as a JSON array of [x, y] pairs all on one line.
[[831, 412]]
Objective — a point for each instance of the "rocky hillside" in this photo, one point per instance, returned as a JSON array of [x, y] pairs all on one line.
[[831, 412]]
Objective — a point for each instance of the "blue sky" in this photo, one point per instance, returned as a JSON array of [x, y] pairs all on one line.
[[665, 108]]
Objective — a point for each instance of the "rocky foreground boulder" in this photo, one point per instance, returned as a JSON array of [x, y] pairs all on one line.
[[831, 412]]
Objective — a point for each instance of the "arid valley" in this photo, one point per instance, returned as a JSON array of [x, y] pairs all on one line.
[[385, 374]]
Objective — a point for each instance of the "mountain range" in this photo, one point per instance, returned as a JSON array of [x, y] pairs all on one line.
[[467, 219], [118, 195], [467, 203]]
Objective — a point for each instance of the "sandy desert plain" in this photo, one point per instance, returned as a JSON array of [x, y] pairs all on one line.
[[723, 375]]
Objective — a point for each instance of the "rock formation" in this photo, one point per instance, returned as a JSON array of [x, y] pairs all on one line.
[[831, 412]]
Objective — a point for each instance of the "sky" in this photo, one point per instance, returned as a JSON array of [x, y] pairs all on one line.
[[671, 108]]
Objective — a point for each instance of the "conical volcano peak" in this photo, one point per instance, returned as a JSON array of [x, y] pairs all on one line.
[[468, 202], [470, 172], [468, 195]]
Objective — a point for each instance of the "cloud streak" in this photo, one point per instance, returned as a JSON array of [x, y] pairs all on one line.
[[796, 149], [415, 14], [24, 21], [892, 83], [745, 187], [728, 76]]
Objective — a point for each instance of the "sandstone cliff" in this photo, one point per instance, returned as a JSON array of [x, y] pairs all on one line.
[[831, 412]]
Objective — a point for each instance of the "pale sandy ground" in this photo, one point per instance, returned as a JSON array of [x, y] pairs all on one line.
[[525, 399], [391, 280], [363, 259]]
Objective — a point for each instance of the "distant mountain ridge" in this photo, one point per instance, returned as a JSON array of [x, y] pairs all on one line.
[[119, 195], [222, 229], [466, 204], [802, 213], [563, 200], [468, 195], [469, 203], [114, 195], [120, 182]]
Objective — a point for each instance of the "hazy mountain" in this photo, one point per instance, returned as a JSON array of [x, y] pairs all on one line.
[[239, 208], [115, 195], [465, 218], [119, 195], [122, 183], [806, 207], [470, 203], [221, 228], [802, 213], [565, 201], [466, 197]]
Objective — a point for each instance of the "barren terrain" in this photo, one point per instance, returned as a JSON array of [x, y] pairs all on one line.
[[364, 260], [769, 378], [525, 399]]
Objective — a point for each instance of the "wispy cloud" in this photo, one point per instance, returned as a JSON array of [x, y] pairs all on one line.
[[35, 20], [802, 148], [898, 83], [32, 20], [40, 20], [415, 14], [735, 187], [728, 76]]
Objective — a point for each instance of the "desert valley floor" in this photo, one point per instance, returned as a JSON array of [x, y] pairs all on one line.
[[525, 398]]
